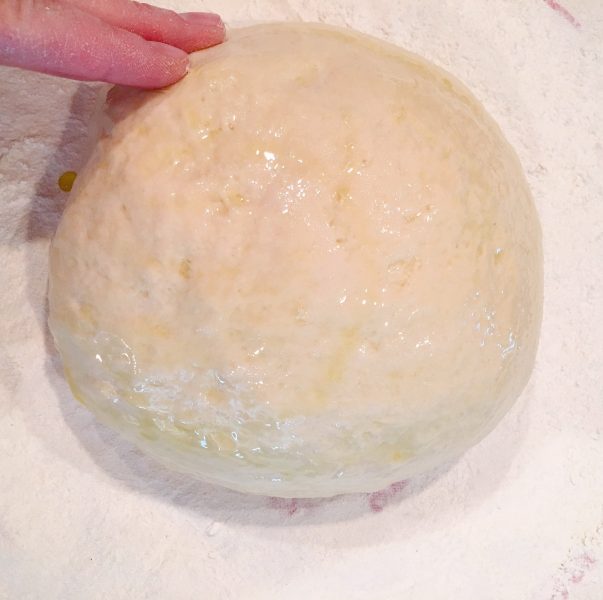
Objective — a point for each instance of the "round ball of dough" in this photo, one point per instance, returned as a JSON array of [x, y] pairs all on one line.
[[311, 267]]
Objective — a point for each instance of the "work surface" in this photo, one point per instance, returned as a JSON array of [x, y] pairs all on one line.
[[84, 515]]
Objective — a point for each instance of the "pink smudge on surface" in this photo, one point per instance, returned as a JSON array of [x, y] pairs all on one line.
[[566, 14], [571, 572], [586, 563], [291, 506], [379, 500]]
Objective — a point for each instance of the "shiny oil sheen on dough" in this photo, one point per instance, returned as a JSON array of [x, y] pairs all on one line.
[[311, 267]]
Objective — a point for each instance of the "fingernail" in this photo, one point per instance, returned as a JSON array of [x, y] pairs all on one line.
[[204, 19]]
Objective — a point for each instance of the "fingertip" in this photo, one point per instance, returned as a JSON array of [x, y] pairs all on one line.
[[169, 65], [172, 55], [90, 49]]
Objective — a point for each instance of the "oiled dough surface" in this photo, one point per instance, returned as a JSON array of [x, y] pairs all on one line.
[[311, 267]]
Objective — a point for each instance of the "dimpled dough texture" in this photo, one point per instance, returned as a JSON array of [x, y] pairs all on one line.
[[312, 267]]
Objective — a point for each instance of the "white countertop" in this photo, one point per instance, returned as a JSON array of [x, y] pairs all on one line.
[[84, 515]]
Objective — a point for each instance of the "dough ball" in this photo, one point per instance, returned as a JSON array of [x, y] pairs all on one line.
[[311, 267]]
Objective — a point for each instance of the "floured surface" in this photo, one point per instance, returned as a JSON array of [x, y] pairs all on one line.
[[519, 516]]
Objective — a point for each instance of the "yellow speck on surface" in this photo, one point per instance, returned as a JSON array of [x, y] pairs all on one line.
[[66, 180], [337, 363], [400, 114], [185, 268], [342, 195], [400, 456], [402, 270], [159, 330], [216, 396]]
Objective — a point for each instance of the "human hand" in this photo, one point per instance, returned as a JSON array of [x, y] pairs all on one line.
[[117, 41]]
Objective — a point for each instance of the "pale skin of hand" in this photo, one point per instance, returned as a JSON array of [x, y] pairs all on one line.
[[116, 41]]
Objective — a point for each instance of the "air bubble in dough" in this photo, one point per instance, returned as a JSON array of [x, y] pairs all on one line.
[[311, 267]]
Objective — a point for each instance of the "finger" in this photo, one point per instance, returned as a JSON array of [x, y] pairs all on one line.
[[189, 31], [58, 39]]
